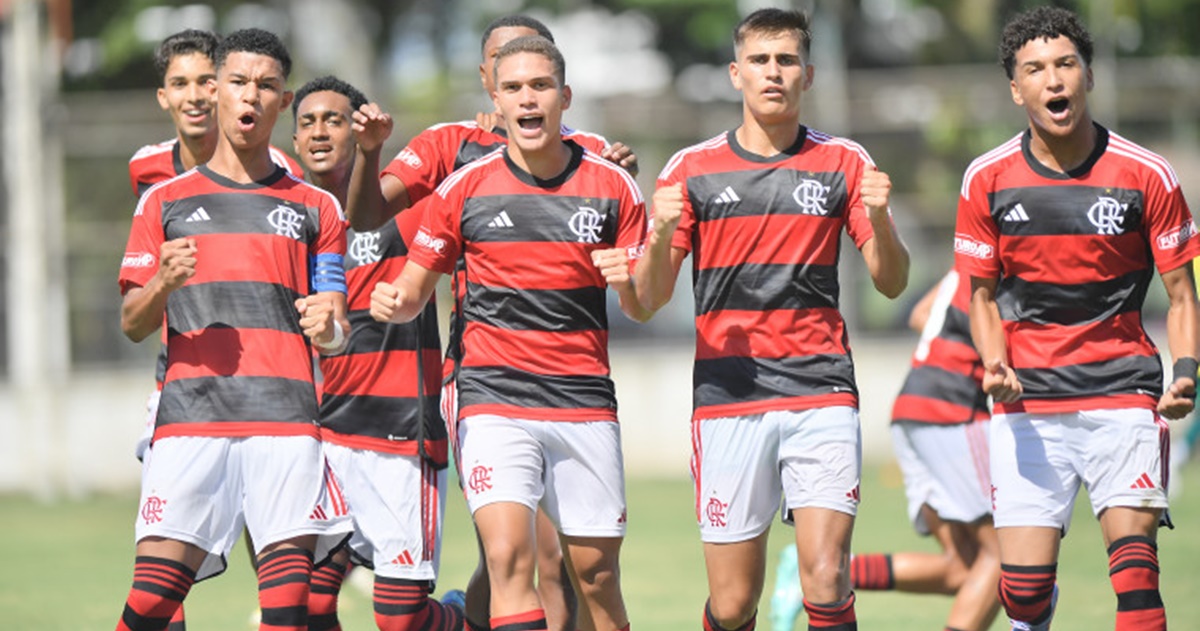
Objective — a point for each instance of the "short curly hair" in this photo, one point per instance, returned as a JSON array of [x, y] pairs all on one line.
[[257, 41], [1042, 23], [329, 83]]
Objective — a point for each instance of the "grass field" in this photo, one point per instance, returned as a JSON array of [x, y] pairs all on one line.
[[67, 566]]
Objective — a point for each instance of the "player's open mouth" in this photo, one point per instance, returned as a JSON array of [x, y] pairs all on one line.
[[246, 121], [1058, 106], [320, 152], [531, 123]]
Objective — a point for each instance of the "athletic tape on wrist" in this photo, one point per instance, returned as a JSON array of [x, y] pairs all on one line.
[[339, 337], [1185, 368]]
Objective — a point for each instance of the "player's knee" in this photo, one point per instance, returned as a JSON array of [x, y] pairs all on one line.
[[506, 560], [1026, 591], [731, 610], [823, 577]]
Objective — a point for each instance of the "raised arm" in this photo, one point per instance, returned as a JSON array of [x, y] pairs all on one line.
[[886, 257], [657, 271], [372, 199], [1180, 396], [142, 308]]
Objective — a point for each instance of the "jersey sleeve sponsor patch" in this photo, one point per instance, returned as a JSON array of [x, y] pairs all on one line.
[[1173, 239], [969, 246], [426, 240], [137, 260], [410, 157]]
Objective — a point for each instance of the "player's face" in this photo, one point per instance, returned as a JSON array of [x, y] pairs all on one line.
[[498, 38], [250, 97], [772, 75], [1051, 81], [531, 100], [187, 94], [323, 138]]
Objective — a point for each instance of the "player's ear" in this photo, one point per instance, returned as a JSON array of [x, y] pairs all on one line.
[[288, 95], [809, 72], [483, 75], [162, 99], [734, 76], [566, 96]]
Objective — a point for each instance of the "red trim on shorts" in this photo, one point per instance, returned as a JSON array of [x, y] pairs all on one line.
[[429, 512], [697, 458], [236, 429], [1078, 404], [748, 408], [570, 415], [977, 442]]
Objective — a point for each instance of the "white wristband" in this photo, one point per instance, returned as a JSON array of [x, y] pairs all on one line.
[[339, 339]]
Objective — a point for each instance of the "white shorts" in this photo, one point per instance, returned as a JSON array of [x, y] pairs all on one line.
[[1040, 460], [574, 470], [143, 443], [742, 465], [449, 409], [397, 503], [945, 467], [202, 490]]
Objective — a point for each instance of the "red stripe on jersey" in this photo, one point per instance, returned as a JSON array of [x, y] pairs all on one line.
[[435, 449], [1076, 404], [770, 239], [571, 265], [838, 399], [538, 352], [915, 407], [1042, 344], [573, 415], [219, 352], [386, 374], [222, 257], [769, 334], [235, 429], [1071, 259]]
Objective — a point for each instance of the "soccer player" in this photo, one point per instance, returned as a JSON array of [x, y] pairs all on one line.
[[222, 254], [427, 160], [543, 226], [1060, 230], [763, 207], [939, 433], [384, 438]]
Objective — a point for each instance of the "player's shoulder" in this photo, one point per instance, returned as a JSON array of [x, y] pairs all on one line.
[[473, 171], [589, 140], [991, 162], [709, 147], [283, 159], [619, 175], [1142, 159], [837, 144], [170, 188], [158, 149]]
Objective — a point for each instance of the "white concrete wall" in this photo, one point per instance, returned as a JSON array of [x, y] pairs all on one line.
[[101, 416]]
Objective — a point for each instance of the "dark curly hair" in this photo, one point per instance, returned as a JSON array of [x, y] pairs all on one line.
[[182, 43], [1042, 23], [773, 22], [329, 83], [257, 41], [516, 20]]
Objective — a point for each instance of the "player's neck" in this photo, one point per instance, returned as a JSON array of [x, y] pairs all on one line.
[[244, 166], [1063, 153], [767, 139], [195, 151], [544, 164], [337, 183]]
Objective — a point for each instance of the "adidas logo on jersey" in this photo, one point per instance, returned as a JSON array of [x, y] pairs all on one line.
[[199, 215], [501, 221], [728, 196], [1017, 214], [404, 558]]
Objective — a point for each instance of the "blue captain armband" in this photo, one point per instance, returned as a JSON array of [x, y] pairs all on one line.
[[329, 273]]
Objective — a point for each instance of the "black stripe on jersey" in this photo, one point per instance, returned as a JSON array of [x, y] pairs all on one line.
[[957, 327], [764, 287], [555, 310], [1051, 303], [369, 336], [387, 418], [469, 152], [369, 247], [933, 382], [717, 196], [249, 399], [239, 305], [729, 380], [1066, 210], [235, 212], [540, 219], [1133, 374], [508, 386]]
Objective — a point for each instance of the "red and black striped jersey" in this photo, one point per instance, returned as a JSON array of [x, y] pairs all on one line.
[[155, 163], [370, 394], [1074, 254], [432, 155], [945, 384], [764, 236], [535, 330], [238, 363]]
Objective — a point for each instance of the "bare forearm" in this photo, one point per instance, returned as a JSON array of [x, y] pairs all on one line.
[[987, 331], [142, 310], [365, 203], [654, 277], [890, 261]]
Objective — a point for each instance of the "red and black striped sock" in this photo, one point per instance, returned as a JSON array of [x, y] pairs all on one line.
[[159, 587], [838, 616], [283, 582], [872, 572], [533, 620], [1026, 590], [405, 605], [711, 623], [1133, 570], [323, 596], [178, 622]]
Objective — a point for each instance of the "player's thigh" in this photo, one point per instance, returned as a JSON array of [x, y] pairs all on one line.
[[956, 458], [735, 471], [821, 458], [290, 493], [1122, 455], [1034, 481], [500, 462], [585, 477]]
